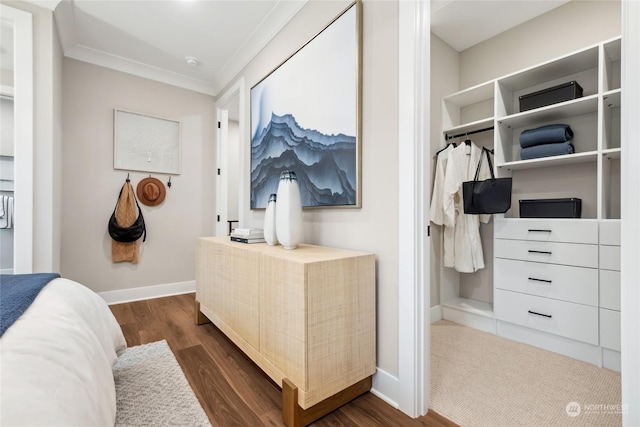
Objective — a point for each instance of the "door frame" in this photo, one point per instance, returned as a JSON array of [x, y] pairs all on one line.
[[222, 154], [23, 131], [414, 38]]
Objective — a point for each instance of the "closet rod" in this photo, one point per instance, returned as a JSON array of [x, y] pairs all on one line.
[[448, 137]]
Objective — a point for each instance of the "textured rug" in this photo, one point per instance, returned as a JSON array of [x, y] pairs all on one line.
[[151, 389], [480, 379]]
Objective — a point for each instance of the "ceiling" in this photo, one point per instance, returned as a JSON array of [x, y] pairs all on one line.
[[153, 38]]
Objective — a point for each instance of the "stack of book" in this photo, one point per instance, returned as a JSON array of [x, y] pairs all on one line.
[[248, 235]]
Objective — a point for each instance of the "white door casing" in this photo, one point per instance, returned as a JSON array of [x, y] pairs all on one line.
[[231, 99], [23, 126]]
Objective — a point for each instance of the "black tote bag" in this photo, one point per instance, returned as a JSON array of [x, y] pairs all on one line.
[[486, 197]]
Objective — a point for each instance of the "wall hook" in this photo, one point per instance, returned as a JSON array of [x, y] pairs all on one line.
[[128, 180], [169, 183]]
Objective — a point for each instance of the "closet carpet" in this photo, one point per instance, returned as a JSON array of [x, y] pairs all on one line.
[[480, 379]]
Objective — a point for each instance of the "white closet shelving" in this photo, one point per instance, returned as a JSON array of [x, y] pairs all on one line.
[[592, 173]]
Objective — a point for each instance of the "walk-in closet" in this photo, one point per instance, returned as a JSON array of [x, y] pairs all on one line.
[[550, 279], [6, 151]]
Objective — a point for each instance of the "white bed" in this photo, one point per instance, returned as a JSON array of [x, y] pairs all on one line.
[[56, 360]]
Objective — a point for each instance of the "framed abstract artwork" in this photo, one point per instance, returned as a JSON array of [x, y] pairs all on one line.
[[306, 117], [145, 143]]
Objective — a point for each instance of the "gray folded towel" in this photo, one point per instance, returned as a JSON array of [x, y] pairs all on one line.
[[548, 134], [546, 150]]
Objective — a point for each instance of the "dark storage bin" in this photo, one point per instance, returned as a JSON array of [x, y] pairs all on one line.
[[551, 208], [552, 95]]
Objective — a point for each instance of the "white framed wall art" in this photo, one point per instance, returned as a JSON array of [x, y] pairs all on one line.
[[145, 143]]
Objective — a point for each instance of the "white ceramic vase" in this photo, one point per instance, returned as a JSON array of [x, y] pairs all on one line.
[[270, 221], [289, 211]]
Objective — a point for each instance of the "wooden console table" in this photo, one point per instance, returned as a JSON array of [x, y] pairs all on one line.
[[306, 317]]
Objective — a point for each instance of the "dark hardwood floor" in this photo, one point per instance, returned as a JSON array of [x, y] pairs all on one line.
[[232, 390]]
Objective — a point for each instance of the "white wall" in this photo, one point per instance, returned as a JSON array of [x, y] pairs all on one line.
[[91, 185], [373, 228]]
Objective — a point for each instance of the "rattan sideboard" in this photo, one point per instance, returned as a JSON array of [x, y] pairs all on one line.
[[305, 316]]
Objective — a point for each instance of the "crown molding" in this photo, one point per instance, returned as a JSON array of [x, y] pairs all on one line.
[[118, 63], [45, 4]]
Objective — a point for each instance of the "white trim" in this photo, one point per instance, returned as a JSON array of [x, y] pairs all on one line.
[[23, 117], [46, 4], [148, 292], [237, 90], [436, 313], [630, 206], [413, 170], [119, 63], [385, 386]]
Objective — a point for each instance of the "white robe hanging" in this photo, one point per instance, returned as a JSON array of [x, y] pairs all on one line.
[[467, 247], [437, 204]]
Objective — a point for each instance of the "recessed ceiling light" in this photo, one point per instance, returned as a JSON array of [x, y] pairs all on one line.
[[191, 61]]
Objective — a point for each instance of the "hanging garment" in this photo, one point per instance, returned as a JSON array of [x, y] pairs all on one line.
[[437, 204], [467, 247], [126, 214], [6, 220]]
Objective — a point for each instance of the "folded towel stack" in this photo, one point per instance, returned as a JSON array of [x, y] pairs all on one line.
[[546, 141]]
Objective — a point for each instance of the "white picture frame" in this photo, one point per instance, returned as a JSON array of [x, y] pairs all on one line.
[[146, 143]]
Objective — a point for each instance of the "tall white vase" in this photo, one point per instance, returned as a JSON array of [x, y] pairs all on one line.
[[270, 221], [289, 211]]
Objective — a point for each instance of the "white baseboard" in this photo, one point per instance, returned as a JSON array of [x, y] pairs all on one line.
[[436, 313], [148, 292], [6, 271], [386, 387]]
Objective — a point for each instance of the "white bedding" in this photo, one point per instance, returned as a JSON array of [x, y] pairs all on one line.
[[56, 360]]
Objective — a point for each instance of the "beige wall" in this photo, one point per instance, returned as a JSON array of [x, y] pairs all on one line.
[[444, 80], [91, 185], [373, 228], [570, 27]]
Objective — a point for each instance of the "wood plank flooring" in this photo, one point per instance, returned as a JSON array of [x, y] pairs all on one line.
[[232, 390]]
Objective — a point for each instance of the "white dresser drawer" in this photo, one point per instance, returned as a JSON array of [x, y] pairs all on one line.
[[610, 257], [610, 289], [562, 282], [610, 329], [547, 230], [578, 255], [574, 321], [610, 232]]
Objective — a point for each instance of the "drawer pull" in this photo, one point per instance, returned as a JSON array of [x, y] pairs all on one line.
[[537, 230], [540, 280], [531, 251], [540, 314]]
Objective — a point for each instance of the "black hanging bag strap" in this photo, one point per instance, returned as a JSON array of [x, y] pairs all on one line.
[[133, 232]]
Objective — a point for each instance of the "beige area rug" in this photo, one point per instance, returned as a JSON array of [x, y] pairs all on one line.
[[480, 379], [151, 389]]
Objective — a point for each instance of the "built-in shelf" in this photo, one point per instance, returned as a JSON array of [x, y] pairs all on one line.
[[469, 127], [560, 111], [544, 162], [612, 154]]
